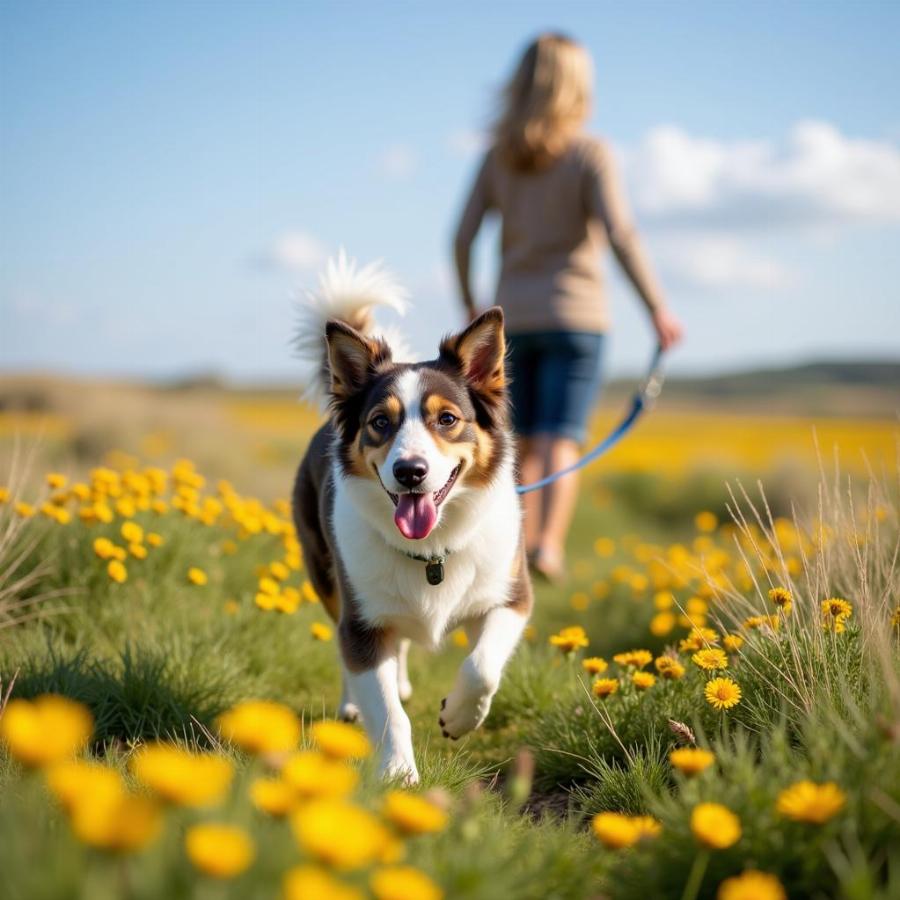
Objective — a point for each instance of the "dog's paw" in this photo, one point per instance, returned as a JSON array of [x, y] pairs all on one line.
[[404, 688], [463, 711], [348, 712]]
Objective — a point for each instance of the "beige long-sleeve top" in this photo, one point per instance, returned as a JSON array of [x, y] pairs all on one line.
[[556, 224]]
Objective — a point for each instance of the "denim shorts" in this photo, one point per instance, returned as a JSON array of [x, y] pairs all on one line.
[[556, 378]]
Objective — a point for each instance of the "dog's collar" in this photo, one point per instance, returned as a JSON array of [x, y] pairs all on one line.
[[434, 564]]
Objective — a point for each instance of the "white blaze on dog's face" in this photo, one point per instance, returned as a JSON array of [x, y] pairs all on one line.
[[420, 430]]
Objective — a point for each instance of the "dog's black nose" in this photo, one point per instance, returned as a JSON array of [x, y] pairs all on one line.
[[410, 472]]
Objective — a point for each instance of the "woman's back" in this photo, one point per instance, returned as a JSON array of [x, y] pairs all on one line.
[[556, 222]]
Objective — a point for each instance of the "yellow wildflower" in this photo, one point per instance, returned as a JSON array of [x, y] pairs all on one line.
[[604, 547], [594, 665], [56, 480], [751, 885], [74, 780], [403, 883], [647, 826], [339, 834], [807, 801], [117, 571], [138, 551], [319, 631], [715, 826], [570, 639], [310, 774], [132, 533], [116, 822], [706, 521], [309, 592], [24, 510], [197, 576], [643, 680], [711, 658], [180, 777], [722, 693], [691, 760], [312, 883], [756, 622], [460, 638], [265, 601], [835, 613], [603, 687], [260, 726], [615, 830], [634, 658], [669, 667], [732, 642], [663, 600], [222, 851], [782, 598], [662, 624], [154, 539], [273, 796], [413, 814], [340, 740], [4, 494], [45, 730]]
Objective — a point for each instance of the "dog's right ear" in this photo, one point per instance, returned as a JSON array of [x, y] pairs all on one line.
[[352, 359]]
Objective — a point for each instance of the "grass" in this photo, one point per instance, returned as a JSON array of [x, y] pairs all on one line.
[[159, 657]]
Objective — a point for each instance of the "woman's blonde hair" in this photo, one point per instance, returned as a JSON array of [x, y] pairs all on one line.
[[545, 103]]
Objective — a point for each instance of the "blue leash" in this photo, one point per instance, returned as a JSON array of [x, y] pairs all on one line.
[[643, 400]]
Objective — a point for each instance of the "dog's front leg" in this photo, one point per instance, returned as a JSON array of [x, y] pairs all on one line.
[[370, 657], [495, 636]]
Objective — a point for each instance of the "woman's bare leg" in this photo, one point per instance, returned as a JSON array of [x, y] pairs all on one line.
[[559, 502]]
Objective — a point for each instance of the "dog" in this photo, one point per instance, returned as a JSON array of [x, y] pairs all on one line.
[[406, 508]]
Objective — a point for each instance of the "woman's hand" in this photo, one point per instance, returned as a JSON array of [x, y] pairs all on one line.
[[669, 330]]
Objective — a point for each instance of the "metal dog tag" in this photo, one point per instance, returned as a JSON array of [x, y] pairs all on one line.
[[434, 571]]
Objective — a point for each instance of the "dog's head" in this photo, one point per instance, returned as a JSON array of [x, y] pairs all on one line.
[[426, 431]]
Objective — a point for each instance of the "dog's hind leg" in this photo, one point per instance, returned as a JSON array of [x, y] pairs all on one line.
[[404, 685], [348, 711]]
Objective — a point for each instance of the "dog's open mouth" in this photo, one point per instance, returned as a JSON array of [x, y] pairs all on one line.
[[416, 514]]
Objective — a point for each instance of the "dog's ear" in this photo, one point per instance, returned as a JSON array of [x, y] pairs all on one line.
[[479, 353], [352, 358]]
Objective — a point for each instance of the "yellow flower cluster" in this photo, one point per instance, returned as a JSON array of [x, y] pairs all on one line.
[[570, 639], [617, 830]]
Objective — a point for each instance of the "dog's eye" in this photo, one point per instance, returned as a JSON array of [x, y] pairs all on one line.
[[380, 423], [447, 419]]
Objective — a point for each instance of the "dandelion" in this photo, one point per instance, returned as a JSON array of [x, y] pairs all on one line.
[[732, 642], [413, 814], [643, 680], [197, 576], [312, 883], [706, 521], [74, 780], [634, 658], [751, 885], [180, 777], [222, 851], [154, 539], [138, 551], [340, 740], [570, 639], [835, 613], [45, 730], [117, 571], [669, 667], [722, 693], [403, 883], [663, 600], [594, 665], [310, 774], [339, 834], [132, 533], [715, 826], [117, 823], [260, 726], [807, 801], [604, 687], [782, 598], [615, 830], [318, 630], [265, 601], [691, 760], [273, 796], [711, 658]]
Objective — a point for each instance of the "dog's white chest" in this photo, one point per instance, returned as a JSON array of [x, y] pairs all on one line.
[[392, 590]]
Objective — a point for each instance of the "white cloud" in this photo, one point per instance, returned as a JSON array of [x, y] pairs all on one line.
[[716, 261], [295, 251], [815, 176], [398, 161]]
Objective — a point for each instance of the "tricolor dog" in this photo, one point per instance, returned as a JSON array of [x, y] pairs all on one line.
[[406, 507]]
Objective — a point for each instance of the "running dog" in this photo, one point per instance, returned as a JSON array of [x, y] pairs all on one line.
[[406, 507]]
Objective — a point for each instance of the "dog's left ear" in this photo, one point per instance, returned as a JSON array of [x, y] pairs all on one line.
[[479, 354]]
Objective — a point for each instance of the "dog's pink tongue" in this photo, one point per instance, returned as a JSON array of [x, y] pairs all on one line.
[[415, 515]]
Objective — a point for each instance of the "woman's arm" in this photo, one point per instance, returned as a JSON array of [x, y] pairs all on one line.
[[607, 201], [476, 207]]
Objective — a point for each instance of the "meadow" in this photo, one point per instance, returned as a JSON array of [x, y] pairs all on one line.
[[709, 707]]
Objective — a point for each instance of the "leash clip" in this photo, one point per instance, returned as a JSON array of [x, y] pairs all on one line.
[[652, 388]]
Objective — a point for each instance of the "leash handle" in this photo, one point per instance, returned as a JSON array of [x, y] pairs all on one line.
[[643, 399]]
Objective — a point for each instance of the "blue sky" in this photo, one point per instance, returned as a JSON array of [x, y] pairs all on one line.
[[171, 172]]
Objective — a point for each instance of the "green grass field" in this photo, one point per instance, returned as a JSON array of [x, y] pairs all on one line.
[[156, 653]]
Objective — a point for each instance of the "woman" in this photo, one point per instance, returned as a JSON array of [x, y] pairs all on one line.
[[558, 195]]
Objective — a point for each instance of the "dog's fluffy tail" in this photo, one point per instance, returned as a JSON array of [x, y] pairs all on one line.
[[348, 293]]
